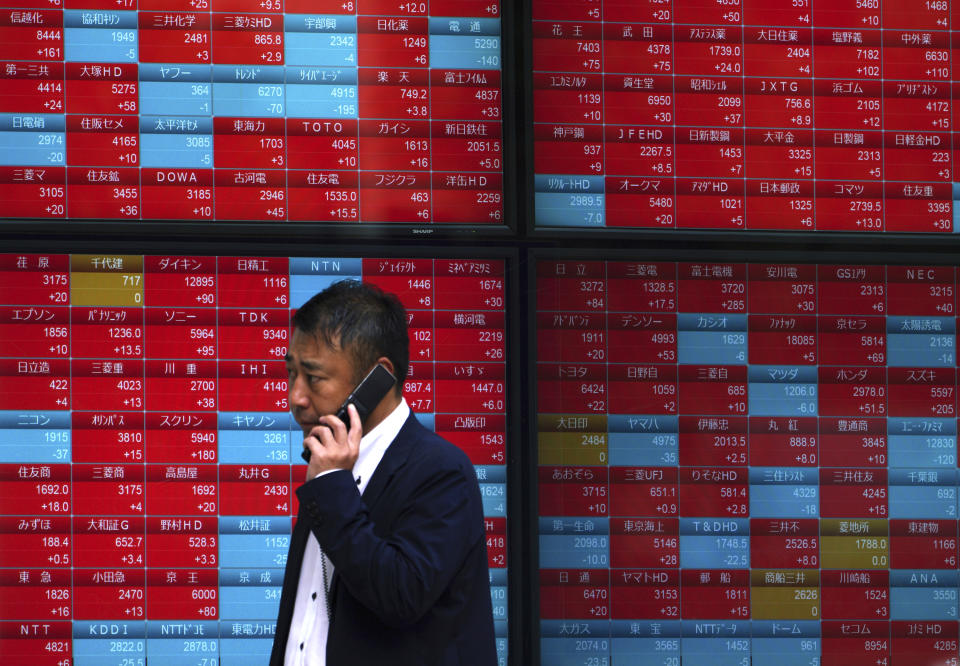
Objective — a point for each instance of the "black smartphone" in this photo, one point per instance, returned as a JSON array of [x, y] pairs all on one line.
[[365, 397]]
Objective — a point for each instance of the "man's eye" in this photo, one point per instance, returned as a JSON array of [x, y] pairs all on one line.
[[313, 379]]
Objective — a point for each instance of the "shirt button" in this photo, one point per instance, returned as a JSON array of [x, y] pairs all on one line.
[[301, 646], [314, 595]]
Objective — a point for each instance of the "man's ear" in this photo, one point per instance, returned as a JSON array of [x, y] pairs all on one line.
[[388, 364]]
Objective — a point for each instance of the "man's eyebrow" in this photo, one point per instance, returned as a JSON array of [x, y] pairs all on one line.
[[306, 363]]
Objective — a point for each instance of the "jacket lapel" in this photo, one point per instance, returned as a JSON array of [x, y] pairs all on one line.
[[393, 459]]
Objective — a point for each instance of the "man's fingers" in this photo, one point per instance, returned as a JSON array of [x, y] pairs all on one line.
[[332, 446], [335, 428], [356, 428], [314, 441]]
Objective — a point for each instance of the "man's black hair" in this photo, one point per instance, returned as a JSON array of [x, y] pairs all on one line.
[[362, 320]]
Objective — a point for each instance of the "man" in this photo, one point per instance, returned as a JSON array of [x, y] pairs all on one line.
[[388, 560]]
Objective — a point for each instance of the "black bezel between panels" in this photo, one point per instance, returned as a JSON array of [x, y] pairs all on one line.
[[769, 252], [517, 455], [324, 231]]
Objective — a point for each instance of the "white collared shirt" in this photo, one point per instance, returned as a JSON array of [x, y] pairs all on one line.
[[307, 640]]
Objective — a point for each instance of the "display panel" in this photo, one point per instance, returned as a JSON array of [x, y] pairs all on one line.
[[252, 110], [799, 115], [746, 463], [147, 454]]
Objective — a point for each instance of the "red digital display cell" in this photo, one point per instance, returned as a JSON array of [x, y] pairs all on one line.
[[643, 491], [35, 192], [24, 595], [182, 542], [107, 332], [24, 80], [250, 195], [496, 541], [714, 441], [250, 333], [712, 389], [714, 492], [854, 594], [36, 490], [106, 190], [111, 489], [476, 388], [38, 33], [35, 332], [182, 593], [260, 490], [482, 100], [238, 146], [253, 386], [639, 338], [38, 541], [396, 196], [783, 339], [174, 36], [181, 437], [923, 544], [557, 394], [643, 389], [46, 645], [178, 194], [248, 39], [481, 436], [575, 594], [109, 542], [109, 593], [330, 195], [711, 288], [779, 544], [641, 542], [857, 391], [574, 491], [182, 490], [462, 335], [183, 386], [922, 392], [853, 441], [853, 492], [392, 42], [259, 282], [716, 593], [784, 441], [932, 642], [647, 594], [100, 436], [112, 385], [322, 144]]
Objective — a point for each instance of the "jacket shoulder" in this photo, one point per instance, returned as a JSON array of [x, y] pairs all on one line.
[[432, 451]]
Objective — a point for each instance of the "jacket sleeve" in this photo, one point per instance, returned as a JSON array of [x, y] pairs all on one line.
[[400, 575]]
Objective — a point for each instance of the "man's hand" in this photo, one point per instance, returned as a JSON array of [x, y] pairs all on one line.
[[332, 446]]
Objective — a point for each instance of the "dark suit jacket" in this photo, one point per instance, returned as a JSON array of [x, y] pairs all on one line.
[[410, 585]]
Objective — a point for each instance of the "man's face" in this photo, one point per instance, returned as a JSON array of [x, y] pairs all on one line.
[[319, 378]]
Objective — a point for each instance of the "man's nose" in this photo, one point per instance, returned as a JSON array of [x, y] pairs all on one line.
[[298, 392]]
